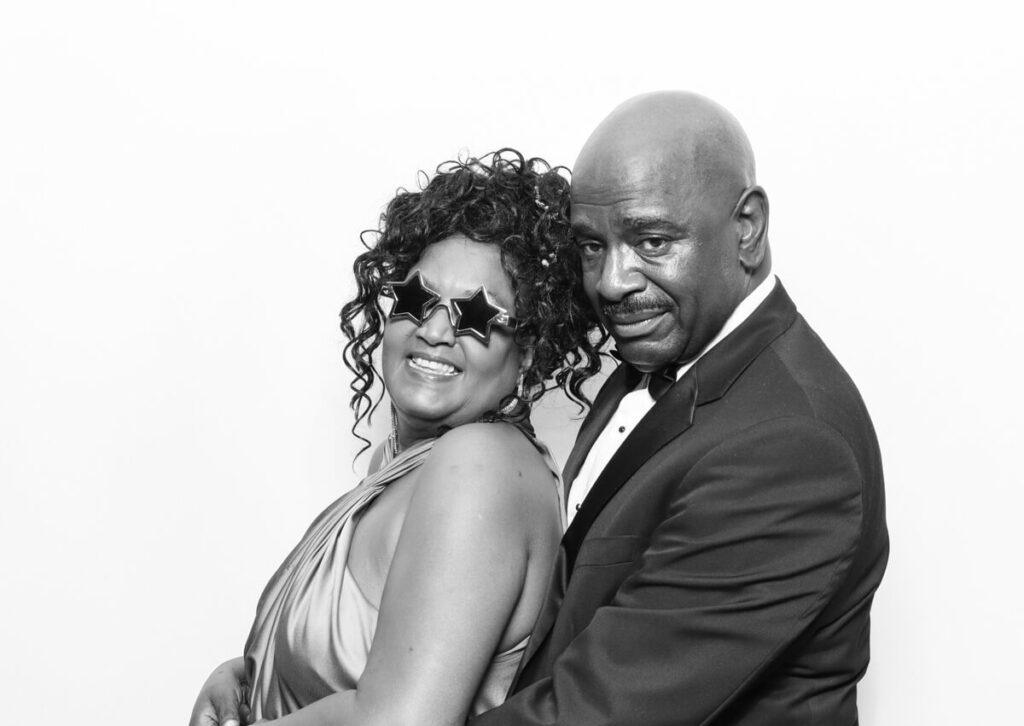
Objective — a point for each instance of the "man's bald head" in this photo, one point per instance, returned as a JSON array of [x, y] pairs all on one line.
[[691, 137], [671, 225]]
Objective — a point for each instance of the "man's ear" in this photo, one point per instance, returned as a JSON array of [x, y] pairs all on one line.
[[752, 218]]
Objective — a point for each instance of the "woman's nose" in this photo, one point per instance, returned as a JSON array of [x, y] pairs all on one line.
[[438, 329]]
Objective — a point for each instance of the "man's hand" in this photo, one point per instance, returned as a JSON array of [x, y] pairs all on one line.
[[222, 700]]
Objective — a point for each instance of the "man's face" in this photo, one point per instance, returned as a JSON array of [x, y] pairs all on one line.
[[659, 253]]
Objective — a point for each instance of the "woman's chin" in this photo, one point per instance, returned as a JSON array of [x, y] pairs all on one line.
[[434, 415]]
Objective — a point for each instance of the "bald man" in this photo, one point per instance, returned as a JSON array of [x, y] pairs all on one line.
[[728, 526]]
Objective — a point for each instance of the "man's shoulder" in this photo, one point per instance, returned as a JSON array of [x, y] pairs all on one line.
[[797, 375], [802, 357]]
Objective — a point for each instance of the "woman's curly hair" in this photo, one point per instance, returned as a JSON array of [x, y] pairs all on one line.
[[502, 198]]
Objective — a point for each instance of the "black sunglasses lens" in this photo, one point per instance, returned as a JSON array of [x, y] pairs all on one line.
[[412, 299], [476, 314]]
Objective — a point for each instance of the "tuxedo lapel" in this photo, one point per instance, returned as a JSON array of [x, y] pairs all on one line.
[[670, 417], [719, 368]]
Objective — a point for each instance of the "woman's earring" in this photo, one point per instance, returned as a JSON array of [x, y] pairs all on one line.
[[518, 398], [393, 436]]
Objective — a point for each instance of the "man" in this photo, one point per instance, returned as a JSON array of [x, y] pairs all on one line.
[[728, 536]]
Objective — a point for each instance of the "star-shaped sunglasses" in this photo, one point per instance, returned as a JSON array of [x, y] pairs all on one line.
[[473, 315]]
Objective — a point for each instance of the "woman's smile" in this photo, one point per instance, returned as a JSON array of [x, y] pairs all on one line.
[[433, 366]]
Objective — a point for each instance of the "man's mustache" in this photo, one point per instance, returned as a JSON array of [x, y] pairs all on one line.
[[633, 305]]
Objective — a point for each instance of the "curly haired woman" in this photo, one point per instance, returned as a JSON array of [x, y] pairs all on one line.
[[410, 599]]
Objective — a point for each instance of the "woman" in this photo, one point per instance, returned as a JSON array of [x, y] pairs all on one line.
[[410, 599]]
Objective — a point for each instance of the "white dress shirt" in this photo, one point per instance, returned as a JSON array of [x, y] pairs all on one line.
[[635, 405]]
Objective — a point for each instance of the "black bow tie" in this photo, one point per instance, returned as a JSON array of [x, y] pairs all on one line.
[[657, 381], [661, 380]]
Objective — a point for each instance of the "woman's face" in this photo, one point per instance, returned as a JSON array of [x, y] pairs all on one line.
[[434, 377]]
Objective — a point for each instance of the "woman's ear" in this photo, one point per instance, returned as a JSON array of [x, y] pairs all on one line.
[[752, 217], [526, 361]]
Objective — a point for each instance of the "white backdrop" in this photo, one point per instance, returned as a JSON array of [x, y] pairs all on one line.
[[181, 189]]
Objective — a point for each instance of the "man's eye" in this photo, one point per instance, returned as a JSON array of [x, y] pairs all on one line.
[[651, 244], [589, 250]]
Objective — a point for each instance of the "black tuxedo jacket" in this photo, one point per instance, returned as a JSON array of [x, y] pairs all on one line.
[[721, 569]]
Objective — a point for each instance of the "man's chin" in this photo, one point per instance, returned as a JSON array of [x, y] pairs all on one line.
[[647, 355]]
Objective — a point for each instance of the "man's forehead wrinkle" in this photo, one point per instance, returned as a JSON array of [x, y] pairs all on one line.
[[605, 185], [638, 220], [606, 195]]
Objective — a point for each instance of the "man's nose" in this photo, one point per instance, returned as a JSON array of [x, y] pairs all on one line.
[[620, 274], [438, 329]]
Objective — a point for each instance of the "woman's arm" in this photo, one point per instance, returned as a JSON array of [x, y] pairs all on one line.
[[222, 699], [483, 501]]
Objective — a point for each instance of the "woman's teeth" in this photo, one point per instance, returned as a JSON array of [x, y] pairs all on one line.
[[433, 366]]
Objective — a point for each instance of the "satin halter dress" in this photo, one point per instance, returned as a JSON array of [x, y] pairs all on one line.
[[314, 627]]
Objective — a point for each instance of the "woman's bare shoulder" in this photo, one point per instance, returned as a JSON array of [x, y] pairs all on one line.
[[493, 465]]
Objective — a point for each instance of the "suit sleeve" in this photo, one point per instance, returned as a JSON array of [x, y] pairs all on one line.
[[755, 541]]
